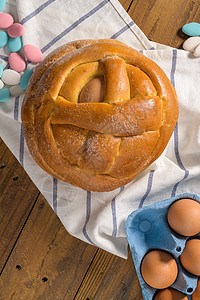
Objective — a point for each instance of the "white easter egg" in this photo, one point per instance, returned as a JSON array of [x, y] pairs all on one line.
[[11, 77], [197, 51], [191, 43], [15, 91]]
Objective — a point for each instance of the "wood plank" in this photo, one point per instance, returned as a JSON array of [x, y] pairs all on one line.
[[126, 4], [17, 196], [47, 262], [110, 277], [162, 20]]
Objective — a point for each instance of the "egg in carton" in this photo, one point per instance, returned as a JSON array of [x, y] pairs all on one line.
[[147, 230]]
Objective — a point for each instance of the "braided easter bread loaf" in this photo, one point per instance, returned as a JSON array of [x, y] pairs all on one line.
[[96, 113]]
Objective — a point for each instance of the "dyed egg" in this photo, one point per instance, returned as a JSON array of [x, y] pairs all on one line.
[[33, 53], [196, 294], [1, 70], [4, 95], [6, 20], [191, 29], [15, 44], [191, 43], [2, 4], [11, 77], [170, 294], [16, 30], [25, 79], [184, 217], [1, 84], [197, 51], [159, 269], [15, 91], [17, 62], [3, 38], [190, 257]]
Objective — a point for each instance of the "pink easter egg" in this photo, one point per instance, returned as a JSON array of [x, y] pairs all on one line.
[[33, 53], [6, 20], [16, 30], [17, 62]]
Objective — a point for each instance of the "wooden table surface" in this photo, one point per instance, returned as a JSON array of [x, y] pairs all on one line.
[[38, 258]]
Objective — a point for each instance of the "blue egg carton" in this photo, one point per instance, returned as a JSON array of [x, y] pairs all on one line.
[[147, 229]]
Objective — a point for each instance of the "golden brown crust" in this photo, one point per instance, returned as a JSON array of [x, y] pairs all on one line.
[[98, 139]]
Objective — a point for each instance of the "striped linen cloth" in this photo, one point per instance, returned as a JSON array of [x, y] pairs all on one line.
[[99, 218]]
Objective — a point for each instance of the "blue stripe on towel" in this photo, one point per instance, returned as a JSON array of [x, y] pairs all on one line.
[[173, 68], [4, 57], [114, 214], [21, 147], [88, 211], [37, 11], [75, 24], [178, 160], [122, 30], [55, 192], [176, 138], [16, 108], [149, 186]]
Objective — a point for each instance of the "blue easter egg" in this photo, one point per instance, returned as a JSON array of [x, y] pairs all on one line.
[[15, 44], [25, 79], [2, 4], [191, 29], [3, 38], [4, 95], [1, 70]]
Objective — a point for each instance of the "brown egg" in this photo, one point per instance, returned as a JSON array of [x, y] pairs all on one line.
[[92, 91], [196, 294], [184, 217], [190, 257], [159, 269], [170, 294]]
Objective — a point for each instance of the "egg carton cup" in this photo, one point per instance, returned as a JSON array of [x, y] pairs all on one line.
[[147, 229]]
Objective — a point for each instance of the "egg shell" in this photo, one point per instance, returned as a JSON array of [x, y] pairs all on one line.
[[15, 44], [159, 269], [197, 51], [16, 30], [11, 77], [1, 70], [191, 29], [196, 294], [191, 43], [4, 95], [15, 91], [190, 257], [147, 228], [1, 84], [2, 4], [33, 53], [170, 294], [17, 62], [6, 20], [184, 217], [3, 38], [25, 79]]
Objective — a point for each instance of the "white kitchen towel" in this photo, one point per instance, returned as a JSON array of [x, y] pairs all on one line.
[[99, 218]]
